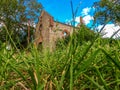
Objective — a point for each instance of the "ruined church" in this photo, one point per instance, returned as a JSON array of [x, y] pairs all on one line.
[[49, 31]]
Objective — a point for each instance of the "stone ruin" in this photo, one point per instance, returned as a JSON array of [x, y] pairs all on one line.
[[49, 31]]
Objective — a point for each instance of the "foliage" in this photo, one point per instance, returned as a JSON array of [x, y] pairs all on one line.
[[92, 65], [15, 14], [62, 43], [85, 34], [107, 10], [82, 34]]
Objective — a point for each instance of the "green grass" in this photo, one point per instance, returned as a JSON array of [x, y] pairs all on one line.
[[92, 65]]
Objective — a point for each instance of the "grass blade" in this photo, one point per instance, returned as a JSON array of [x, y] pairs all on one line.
[[101, 77], [96, 84], [116, 63]]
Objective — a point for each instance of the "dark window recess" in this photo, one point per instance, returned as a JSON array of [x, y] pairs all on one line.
[[51, 22], [65, 33], [40, 24], [40, 21]]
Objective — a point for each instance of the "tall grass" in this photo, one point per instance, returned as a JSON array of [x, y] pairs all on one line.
[[62, 69], [94, 65]]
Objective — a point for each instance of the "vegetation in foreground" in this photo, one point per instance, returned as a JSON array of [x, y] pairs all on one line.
[[74, 65], [91, 65]]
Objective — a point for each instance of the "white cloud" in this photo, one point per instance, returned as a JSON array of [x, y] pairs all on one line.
[[109, 30], [85, 11], [77, 19], [85, 14], [87, 19], [68, 21]]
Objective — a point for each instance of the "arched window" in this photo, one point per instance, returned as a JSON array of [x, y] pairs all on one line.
[[65, 33]]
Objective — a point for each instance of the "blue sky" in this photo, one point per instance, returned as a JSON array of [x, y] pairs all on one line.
[[61, 9]]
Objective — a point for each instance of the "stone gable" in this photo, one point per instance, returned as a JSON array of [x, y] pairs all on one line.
[[48, 31]]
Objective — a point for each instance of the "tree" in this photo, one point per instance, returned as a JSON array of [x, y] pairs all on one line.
[[84, 34], [15, 14], [107, 10]]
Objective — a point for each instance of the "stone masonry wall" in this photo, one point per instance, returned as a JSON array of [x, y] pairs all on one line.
[[48, 31]]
